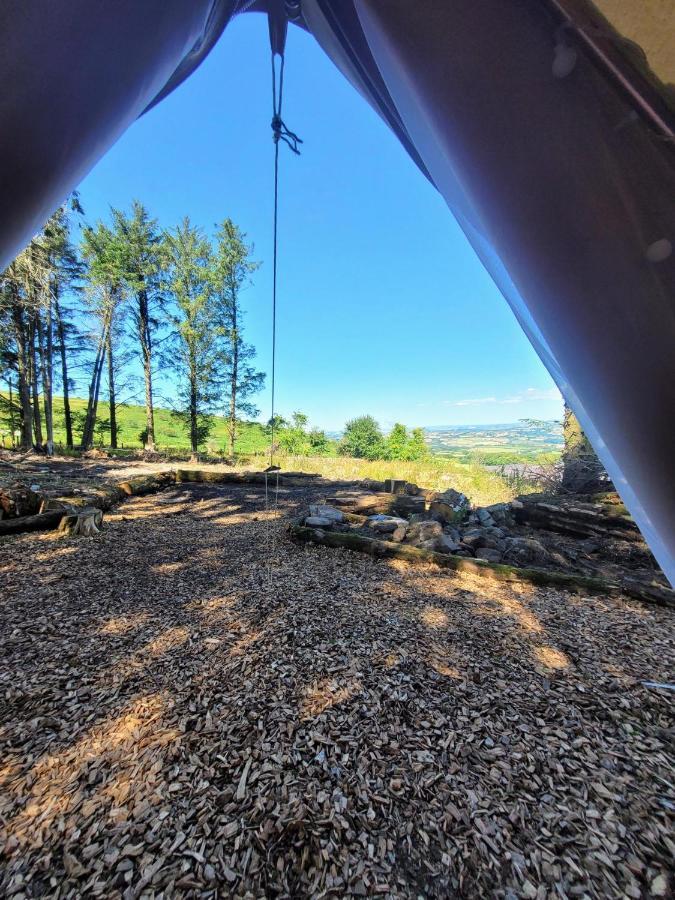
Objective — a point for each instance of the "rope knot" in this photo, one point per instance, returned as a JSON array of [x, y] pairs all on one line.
[[281, 133]]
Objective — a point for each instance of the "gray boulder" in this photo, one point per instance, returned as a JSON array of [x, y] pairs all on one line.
[[522, 551], [445, 544], [473, 538], [501, 513], [326, 512], [319, 522], [484, 517], [385, 524], [489, 554], [421, 532]]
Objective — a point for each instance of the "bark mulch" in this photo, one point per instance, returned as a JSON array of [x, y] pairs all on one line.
[[194, 706]]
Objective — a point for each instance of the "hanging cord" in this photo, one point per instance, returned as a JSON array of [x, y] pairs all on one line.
[[279, 133]]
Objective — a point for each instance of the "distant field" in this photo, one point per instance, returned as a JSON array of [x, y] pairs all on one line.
[[528, 441], [169, 432]]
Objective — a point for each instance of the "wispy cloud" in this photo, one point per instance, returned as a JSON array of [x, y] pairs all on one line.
[[520, 397], [478, 401]]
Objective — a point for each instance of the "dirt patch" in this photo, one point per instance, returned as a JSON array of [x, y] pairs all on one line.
[[192, 704]]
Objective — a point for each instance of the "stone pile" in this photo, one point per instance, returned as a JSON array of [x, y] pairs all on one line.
[[445, 522]]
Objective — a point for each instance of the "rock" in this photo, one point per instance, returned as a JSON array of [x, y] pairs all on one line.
[[395, 486], [412, 489], [501, 513], [326, 512], [385, 524], [517, 504], [449, 506], [399, 534], [484, 517], [416, 518], [463, 551], [522, 551], [452, 533], [489, 554], [421, 532], [406, 506], [473, 538], [431, 544], [491, 543], [319, 522], [19, 500], [446, 544]]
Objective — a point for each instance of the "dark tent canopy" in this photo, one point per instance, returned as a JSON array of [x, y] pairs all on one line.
[[543, 127]]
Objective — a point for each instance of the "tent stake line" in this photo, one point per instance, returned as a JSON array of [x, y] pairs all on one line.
[[496, 571]]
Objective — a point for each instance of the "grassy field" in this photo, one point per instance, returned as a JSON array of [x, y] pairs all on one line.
[[482, 486], [169, 431]]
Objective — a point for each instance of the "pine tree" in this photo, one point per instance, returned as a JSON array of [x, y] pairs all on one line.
[[197, 333], [141, 245], [105, 255], [232, 270]]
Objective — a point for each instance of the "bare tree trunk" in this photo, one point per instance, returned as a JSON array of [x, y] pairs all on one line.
[[20, 338], [146, 349], [60, 330], [45, 350], [232, 425], [37, 417], [12, 423], [194, 436], [94, 387], [111, 391]]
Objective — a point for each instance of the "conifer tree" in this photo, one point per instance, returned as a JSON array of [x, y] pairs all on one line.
[[232, 271], [141, 245], [198, 353]]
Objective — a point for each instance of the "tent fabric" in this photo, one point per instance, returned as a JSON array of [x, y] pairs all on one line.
[[565, 193], [75, 75]]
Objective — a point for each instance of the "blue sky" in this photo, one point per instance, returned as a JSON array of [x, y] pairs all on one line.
[[383, 307]]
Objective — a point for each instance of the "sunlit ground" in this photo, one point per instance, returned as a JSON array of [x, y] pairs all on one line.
[[193, 705]]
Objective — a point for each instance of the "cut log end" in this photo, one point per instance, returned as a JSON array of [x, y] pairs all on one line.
[[87, 523]]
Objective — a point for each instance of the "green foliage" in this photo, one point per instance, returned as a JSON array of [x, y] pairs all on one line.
[[231, 271], [363, 439], [293, 438], [197, 334]]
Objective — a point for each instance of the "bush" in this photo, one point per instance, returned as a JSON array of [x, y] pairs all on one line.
[[363, 439]]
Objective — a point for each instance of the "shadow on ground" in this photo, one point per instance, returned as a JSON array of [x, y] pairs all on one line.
[[192, 704]]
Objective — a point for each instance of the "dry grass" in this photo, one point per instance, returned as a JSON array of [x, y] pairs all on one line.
[[482, 486]]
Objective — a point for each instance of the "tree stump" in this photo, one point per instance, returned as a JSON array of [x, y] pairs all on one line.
[[86, 522]]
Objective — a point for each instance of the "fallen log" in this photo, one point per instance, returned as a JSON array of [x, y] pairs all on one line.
[[386, 504], [577, 519], [38, 522], [496, 571]]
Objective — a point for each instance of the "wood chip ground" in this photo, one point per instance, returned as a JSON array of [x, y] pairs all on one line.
[[193, 706]]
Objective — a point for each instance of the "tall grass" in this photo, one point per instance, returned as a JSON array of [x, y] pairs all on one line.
[[480, 485]]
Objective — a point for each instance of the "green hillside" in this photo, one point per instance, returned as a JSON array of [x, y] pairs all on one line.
[[169, 431]]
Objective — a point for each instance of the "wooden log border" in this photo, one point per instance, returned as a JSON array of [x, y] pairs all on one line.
[[108, 495], [579, 584]]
